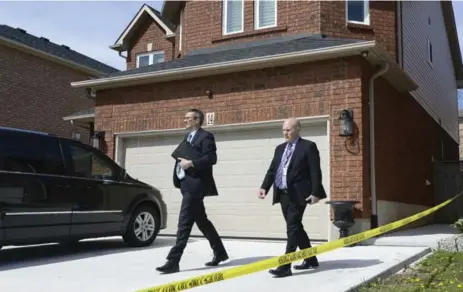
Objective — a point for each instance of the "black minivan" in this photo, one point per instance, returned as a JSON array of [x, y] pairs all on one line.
[[60, 190]]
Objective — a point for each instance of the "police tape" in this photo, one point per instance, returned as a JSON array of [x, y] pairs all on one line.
[[291, 257]]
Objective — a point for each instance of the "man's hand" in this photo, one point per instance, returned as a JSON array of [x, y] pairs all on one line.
[[261, 195], [312, 199], [184, 163]]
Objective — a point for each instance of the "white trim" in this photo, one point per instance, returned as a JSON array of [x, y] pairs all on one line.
[[328, 187], [240, 65], [257, 11], [225, 127], [144, 9], [79, 117], [151, 57], [225, 19], [366, 13]]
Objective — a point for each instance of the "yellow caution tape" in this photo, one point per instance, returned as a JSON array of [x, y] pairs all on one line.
[[291, 257]]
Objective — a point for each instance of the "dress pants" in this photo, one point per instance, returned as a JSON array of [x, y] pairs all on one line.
[[296, 235], [192, 211]]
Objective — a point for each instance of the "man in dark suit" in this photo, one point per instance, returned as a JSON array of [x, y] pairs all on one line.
[[195, 180], [296, 177]]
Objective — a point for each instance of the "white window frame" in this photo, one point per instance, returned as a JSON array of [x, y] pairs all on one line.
[[430, 52], [225, 20], [256, 15], [151, 54], [366, 15], [180, 32]]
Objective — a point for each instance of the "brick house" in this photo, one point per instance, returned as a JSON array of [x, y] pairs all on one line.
[[250, 64], [34, 85]]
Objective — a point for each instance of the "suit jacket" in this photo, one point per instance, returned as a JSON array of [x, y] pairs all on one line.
[[199, 178], [304, 175]]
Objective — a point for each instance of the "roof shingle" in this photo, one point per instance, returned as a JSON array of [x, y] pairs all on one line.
[[61, 51], [243, 51]]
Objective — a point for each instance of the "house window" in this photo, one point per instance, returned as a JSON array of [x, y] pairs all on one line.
[[233, 17], [180, 31], [358, 12], [265, 13], [430, 56], [151, 58]]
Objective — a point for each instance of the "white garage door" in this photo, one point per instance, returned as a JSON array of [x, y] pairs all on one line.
[[243, 159]]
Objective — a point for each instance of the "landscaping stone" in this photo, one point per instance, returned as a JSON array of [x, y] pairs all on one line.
[[452, 244]]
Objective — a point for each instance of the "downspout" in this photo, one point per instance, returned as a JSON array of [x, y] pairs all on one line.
[[120, 55], [371, 95]]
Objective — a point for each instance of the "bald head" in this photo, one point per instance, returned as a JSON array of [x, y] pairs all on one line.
[[291, 129]]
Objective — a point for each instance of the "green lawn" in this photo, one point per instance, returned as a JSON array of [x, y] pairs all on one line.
[[441, 271]]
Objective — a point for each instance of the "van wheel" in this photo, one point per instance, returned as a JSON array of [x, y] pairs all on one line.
[[143, 227]]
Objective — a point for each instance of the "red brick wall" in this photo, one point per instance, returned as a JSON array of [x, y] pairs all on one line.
[[382, 28], [149, 32], [203, 25], [203, 22], [407, 139], [299, 90], [36, 94]]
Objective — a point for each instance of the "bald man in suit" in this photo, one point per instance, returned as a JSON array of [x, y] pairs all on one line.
[[296, 177]]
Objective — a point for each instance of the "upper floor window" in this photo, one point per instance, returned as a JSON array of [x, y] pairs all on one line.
[[358, 11], [180, 31], [150, 58], [265, 13], [233, 16]]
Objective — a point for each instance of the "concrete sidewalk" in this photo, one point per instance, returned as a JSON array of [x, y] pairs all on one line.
[[107, 265], [427, 236]]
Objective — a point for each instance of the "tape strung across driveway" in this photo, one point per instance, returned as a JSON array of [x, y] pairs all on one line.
[[291, 257]]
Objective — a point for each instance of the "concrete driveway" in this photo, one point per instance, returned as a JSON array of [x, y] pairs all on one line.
[[108, 265]]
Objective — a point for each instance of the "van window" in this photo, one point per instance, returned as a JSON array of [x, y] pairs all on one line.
[[30, 154], [90, 165]]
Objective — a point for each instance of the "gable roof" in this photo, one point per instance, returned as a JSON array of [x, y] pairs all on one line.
[[42, 47], [121, 43], [170, 8], [253, 55]]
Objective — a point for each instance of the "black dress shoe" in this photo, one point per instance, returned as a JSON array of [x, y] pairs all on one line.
[[281, 272], [307, 264], [217, 259], [169, 267]]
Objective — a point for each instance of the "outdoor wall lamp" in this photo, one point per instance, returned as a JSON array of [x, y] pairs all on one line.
[[346, 123], [97, 139]]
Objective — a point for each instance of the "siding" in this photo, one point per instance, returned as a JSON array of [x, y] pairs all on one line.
[[437, 91]]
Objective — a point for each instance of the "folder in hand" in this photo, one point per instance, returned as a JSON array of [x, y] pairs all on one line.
[[186, 150]]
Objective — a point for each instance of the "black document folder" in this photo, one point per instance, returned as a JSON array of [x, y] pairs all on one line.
[[186, 150]]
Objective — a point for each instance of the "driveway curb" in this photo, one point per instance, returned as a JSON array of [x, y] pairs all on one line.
[[393, 270]]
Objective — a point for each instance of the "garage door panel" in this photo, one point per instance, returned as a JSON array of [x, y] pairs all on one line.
[[247, 182], [243, 160]]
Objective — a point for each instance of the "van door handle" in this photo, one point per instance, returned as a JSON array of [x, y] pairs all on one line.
[[64, 186]]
